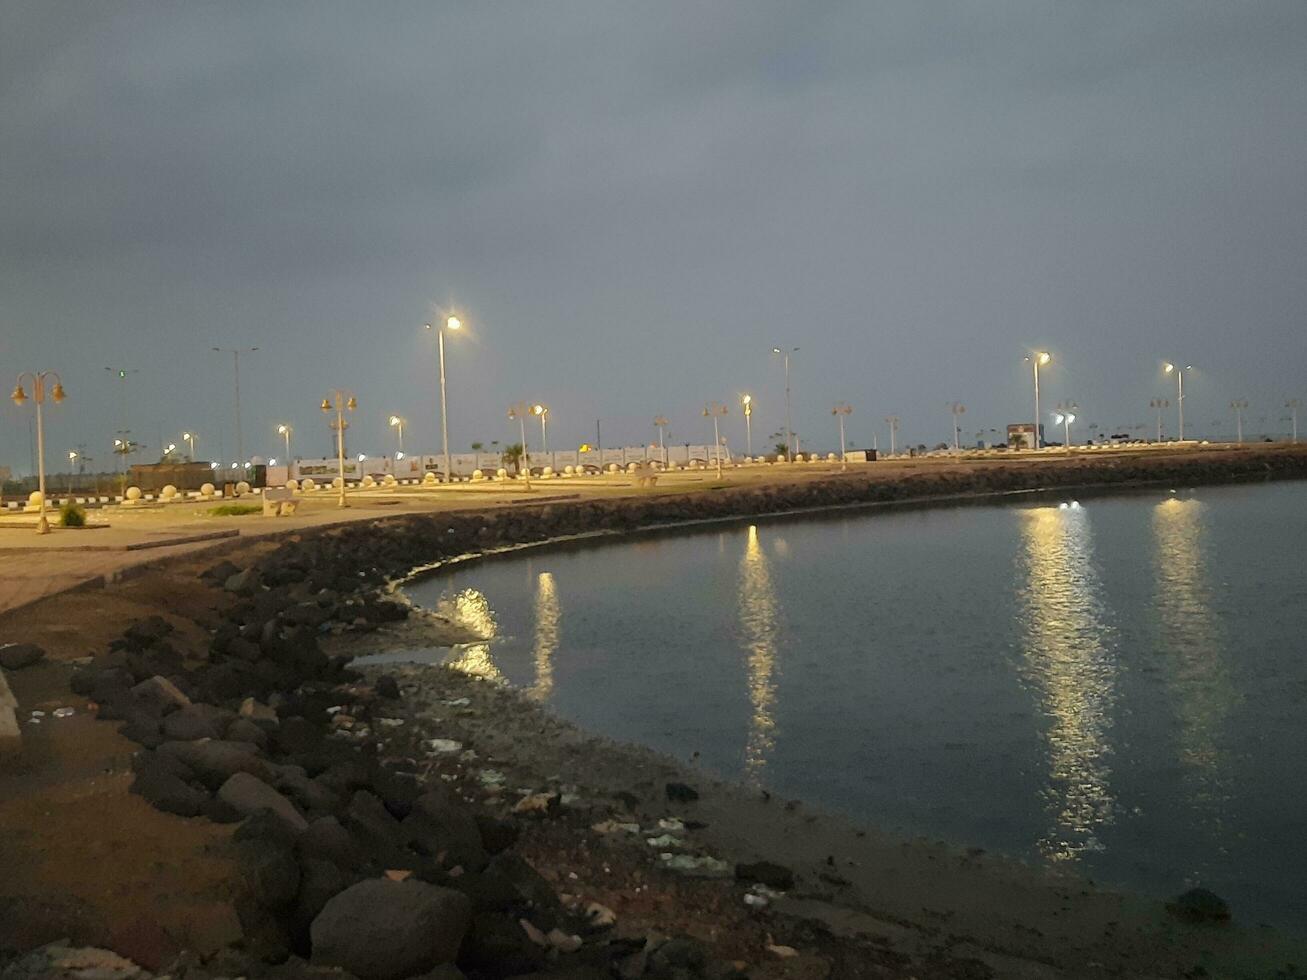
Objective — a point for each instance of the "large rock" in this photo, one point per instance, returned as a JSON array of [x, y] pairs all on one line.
[[327, 840], [169, 793], [214, 761], [437, 825], [160, 693], [244, 583], [388, 930], [269, 873], [16, 656], [248, 794], [196, 721]]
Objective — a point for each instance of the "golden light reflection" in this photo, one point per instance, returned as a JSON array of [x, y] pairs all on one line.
[[548, 617], [471, 610], [1071, 666], [1190, 638], [759, 621]]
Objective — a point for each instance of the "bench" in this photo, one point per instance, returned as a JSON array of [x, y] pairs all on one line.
[[278, 502]]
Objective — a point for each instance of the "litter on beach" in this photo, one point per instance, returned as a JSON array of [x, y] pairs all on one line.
[[665, 841], [64, 712], [688, 864], [614, 827], [443, 745]]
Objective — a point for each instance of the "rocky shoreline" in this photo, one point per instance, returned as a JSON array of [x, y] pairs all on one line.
[[419, 823]]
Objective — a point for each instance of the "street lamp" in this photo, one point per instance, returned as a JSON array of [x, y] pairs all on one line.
[[1239, 404], [789, 427], [543, 412], [839, 411], [1158, 404], [746, 403], [1037, 359], [284, 431], [397, 423], [38, 380], [893, 421], [660, 423], [236, 353], [451, 323], [1066, 415], [1293, 404], [958, 409], [519, 412], [189, 439], [342, 400], [716, 410], [1179, 378]]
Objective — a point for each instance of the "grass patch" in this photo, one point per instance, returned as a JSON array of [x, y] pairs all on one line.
[[235, 510], [72, 515]]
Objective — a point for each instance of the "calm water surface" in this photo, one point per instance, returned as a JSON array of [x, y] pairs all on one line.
[[1117, 685]]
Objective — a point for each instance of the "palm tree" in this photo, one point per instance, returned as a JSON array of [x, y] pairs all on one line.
[[478, 446], [512, 455]]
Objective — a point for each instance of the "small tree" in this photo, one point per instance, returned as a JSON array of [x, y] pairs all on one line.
[[512, 456], [781, 449], [478, 446]]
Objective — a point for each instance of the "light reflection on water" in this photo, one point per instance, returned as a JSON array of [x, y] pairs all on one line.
[[1067, 658], [548, 622], [759, 620]]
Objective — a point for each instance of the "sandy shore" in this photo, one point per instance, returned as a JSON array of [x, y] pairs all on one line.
[[86, 859]]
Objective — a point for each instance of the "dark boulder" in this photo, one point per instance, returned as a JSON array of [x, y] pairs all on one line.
[[169, 793], [498, 946], [388, 687], [326, 840], [269, 873], [497, 835], [196, 721], [244, 730], [388, 930], [214, 762], [320, 882], [765, 873], [681, 793], [16, 656], [248, 794], [437, 825], [1200, 905]]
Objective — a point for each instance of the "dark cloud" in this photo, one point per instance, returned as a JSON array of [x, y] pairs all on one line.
[[634, 204]]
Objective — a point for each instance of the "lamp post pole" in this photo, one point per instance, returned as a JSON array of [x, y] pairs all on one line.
[[958, 409], [236, 353], [38, 380], [520, 412], [893, 421], [1293, 404], [1239, 404], [1066, 415], [341, 400], [285, 431], [543, 412], [660, 423], [789, 426], [397, 423], [189, 438], [451, 323], [1179, 379], [839, 411], [1036, 359], [1158, 404], [747, 403], [716, 410]]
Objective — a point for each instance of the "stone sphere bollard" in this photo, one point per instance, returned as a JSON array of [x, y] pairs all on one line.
[[337, 483], [501, 474], [830, 457], [547, 472], [569, 470], [292, 485], [389, 480], [429, 479], [612, 467], [133, 493], [34, 500], [242, 488], [368, 481], [168, 492], [207, 490], [632, 467], [308, 484], [478, 476]]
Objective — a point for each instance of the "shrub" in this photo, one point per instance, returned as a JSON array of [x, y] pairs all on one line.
[[72, 515], [235, 510]]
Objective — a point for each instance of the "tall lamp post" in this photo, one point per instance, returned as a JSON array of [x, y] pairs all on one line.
[[284, 431], [746, 404], [1293, 404], [958, 409], [1238, 405], [1158, 404], [716, 410], [341, 400], [661, 423], [543, 412], [519, 412], [451, 323], [38, 379], [1037, 360], [893, 421], [1066, 414], [839, 411], [189, 439], [1179, 379], [397, 423], [236, 353], [789, 426]]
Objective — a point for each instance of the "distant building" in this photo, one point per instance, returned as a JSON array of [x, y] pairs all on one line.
[[1021, 435]]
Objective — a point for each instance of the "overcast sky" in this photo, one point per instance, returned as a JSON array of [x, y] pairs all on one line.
[[630, 204]]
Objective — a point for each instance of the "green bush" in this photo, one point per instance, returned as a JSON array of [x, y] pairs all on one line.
[[235, 510], [72, 515]]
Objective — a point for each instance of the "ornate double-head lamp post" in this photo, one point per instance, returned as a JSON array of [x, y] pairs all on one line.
[[340, 400], [38, 381]]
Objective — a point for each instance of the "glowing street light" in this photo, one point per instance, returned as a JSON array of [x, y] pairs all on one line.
[[1037, 359], [746, 404], [451, 323], [1238, 405], [543, 412], [1179, 378], [789, 426], [1066, 415], [716, 410], [958, 410], [340, 400], [284, 430], [189, 439], [1158, 404], [397, 423], [661, 423], [519, 412], [38, 379], [839, 411]]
